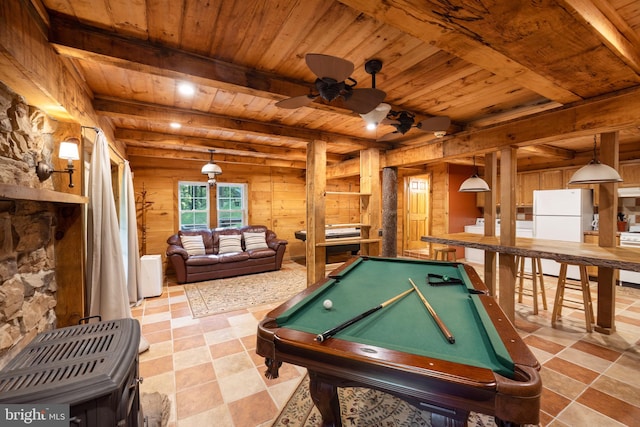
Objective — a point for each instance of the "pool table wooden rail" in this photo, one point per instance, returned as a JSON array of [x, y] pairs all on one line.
[[448, 389]]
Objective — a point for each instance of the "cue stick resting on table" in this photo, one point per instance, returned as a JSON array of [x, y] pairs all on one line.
[[435, 316], [331, 332]]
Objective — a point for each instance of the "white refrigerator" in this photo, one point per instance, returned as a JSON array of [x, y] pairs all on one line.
[[562, 215]]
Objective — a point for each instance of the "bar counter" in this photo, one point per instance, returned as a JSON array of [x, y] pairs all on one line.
[[621, 258]]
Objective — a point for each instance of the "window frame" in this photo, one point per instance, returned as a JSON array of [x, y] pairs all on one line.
[[243, 200], [207, 210]]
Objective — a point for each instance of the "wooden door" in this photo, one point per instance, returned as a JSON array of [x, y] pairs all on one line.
[[417, 222]]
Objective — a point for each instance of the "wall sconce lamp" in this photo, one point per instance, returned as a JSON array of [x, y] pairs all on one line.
[[211, 170], [69, 152], [474, 184], [595, 172]]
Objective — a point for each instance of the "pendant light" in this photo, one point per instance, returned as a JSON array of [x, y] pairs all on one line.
[[595, 172], [474, 184], [211, 170]]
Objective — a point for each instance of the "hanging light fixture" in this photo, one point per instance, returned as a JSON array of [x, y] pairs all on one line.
[[474, 184], [595, 172], [211, 170]]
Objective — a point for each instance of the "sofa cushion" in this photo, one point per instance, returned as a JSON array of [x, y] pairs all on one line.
[[229, 243], [202, 260], [233, 257], [254, 241], [261, 253], [194, 245]]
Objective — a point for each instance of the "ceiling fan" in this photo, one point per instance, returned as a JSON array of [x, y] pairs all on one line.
[[404, 121], [334, 82]]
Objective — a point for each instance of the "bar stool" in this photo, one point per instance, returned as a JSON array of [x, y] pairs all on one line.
[[443, 253], [537, 278], [560, 299]]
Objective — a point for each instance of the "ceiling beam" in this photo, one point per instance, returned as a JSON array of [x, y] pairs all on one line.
[[164, 115], [545, 150], [74, 39], [590, 13], [137, 152], [145, 139], [605, 114], [418, 19]]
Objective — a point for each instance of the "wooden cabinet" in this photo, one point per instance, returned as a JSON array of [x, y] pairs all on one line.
[[552, 180], [630, 174], [528, 182]]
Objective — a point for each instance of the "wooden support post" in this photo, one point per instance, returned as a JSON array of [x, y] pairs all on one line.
[[316, 186], [507, 268], [608, 209], [490, 214], [370, 199], [389, 212]]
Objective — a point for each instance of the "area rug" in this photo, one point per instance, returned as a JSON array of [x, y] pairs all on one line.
[[236, 293], [362, 407]]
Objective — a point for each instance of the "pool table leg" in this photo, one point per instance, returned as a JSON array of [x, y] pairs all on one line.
[[325, 397]]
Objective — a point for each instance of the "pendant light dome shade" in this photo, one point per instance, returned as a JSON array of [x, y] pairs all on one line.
[[474, 184], [211, 168], [595, 172]]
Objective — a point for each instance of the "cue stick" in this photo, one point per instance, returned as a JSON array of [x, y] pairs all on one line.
[[435, 316], [331, 332]]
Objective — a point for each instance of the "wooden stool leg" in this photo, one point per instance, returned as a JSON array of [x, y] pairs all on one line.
[[520, 266], [586, 297], [534, 284], [557, 304], [541, 276]]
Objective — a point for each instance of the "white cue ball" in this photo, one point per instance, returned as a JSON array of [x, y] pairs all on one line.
[[327, 304]]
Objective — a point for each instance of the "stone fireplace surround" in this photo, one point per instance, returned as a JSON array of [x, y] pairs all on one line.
[[28, 287]]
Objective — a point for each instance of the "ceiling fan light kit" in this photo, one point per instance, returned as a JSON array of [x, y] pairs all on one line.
[[374, 117]]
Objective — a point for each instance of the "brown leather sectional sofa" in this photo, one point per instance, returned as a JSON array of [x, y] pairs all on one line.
[[215, 265]]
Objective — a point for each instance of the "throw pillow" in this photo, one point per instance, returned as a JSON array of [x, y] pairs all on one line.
[[255, 241], [229, 243], [193, 244]]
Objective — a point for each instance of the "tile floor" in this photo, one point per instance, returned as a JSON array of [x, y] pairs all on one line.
[[209, 369]]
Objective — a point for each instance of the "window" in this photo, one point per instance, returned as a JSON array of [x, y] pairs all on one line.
[[193, 200], [232, 205]]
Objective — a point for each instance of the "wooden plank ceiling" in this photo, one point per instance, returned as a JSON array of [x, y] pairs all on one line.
[[482, 63]]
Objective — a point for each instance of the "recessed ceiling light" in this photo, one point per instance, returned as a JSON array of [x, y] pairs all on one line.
[[186, 89], [175, 125]]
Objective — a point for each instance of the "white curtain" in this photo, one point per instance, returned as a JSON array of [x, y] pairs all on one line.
[[129, 236], [108, 293], [108, 296]]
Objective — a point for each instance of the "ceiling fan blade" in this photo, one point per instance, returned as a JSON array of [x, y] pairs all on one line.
[[329, 66], [390, 136], [296, 101], [364, 100], [433, 124]]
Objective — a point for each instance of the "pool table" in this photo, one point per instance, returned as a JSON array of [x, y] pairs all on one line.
[[400, 349]]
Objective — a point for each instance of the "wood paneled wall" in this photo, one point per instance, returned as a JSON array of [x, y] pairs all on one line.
[[276, 199]]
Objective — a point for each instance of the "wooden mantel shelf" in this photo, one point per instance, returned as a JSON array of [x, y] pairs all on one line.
[[19, 192]]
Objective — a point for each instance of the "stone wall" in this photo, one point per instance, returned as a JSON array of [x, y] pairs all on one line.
[[27, 259]]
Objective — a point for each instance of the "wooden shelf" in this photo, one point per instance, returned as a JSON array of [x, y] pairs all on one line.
[[19, 192], [346, 241], [346, 193]]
